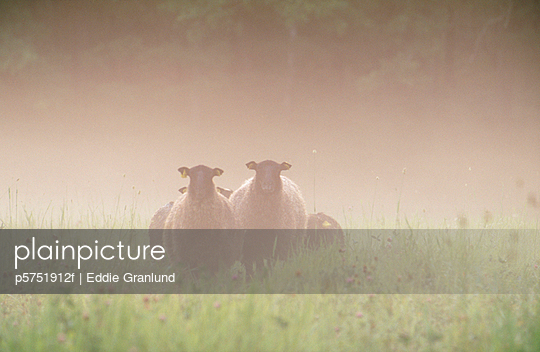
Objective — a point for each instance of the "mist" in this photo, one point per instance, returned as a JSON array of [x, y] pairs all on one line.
[[362, 156]]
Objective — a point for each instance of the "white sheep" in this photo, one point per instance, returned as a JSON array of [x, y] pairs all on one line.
[[269, 201], [202, 207], [323, 229]]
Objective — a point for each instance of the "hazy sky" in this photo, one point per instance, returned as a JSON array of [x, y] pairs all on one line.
[[77, 147], [105, 143]]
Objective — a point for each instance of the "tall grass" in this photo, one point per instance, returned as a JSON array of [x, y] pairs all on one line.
[[126, 212], [308, 322], [269, 322]]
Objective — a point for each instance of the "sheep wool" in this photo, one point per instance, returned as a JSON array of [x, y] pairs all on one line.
[[157, 224], [202, 207], [323, 229], [269, 201]]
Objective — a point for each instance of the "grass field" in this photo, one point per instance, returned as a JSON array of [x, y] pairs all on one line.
[[270, 323], [305, 322]]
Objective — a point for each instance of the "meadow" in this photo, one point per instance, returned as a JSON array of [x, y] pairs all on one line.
[[457, 277], [91, 91]]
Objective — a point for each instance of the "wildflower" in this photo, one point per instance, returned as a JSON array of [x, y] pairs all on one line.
[[163, 317], [217, 304], [61, 337], [235, 277], [349, 280], [359, 314]]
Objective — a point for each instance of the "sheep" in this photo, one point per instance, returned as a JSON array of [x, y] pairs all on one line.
[[269, 201], [207, 208], [202, 207], [323, 229], [157, 224], [226, 192]]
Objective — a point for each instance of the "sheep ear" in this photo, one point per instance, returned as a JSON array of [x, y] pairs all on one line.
[[183, 190], [251, 165], [285, 166], [218, 171], [184, 171]]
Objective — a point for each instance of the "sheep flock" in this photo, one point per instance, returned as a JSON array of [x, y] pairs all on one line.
[[265, 218]]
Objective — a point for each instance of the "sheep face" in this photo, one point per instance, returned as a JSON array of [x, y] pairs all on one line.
[[201, 184], [267, 175]]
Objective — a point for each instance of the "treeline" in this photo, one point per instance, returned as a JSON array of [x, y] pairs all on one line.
[[366, 44]]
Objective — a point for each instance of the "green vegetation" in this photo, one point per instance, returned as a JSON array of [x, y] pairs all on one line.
[[311, 322], [446, 59], [356, 48], [269, 323], [501, 256]]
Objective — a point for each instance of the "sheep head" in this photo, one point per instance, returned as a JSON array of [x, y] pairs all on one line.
[[201, 184], [267, 175], [226, 192]]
